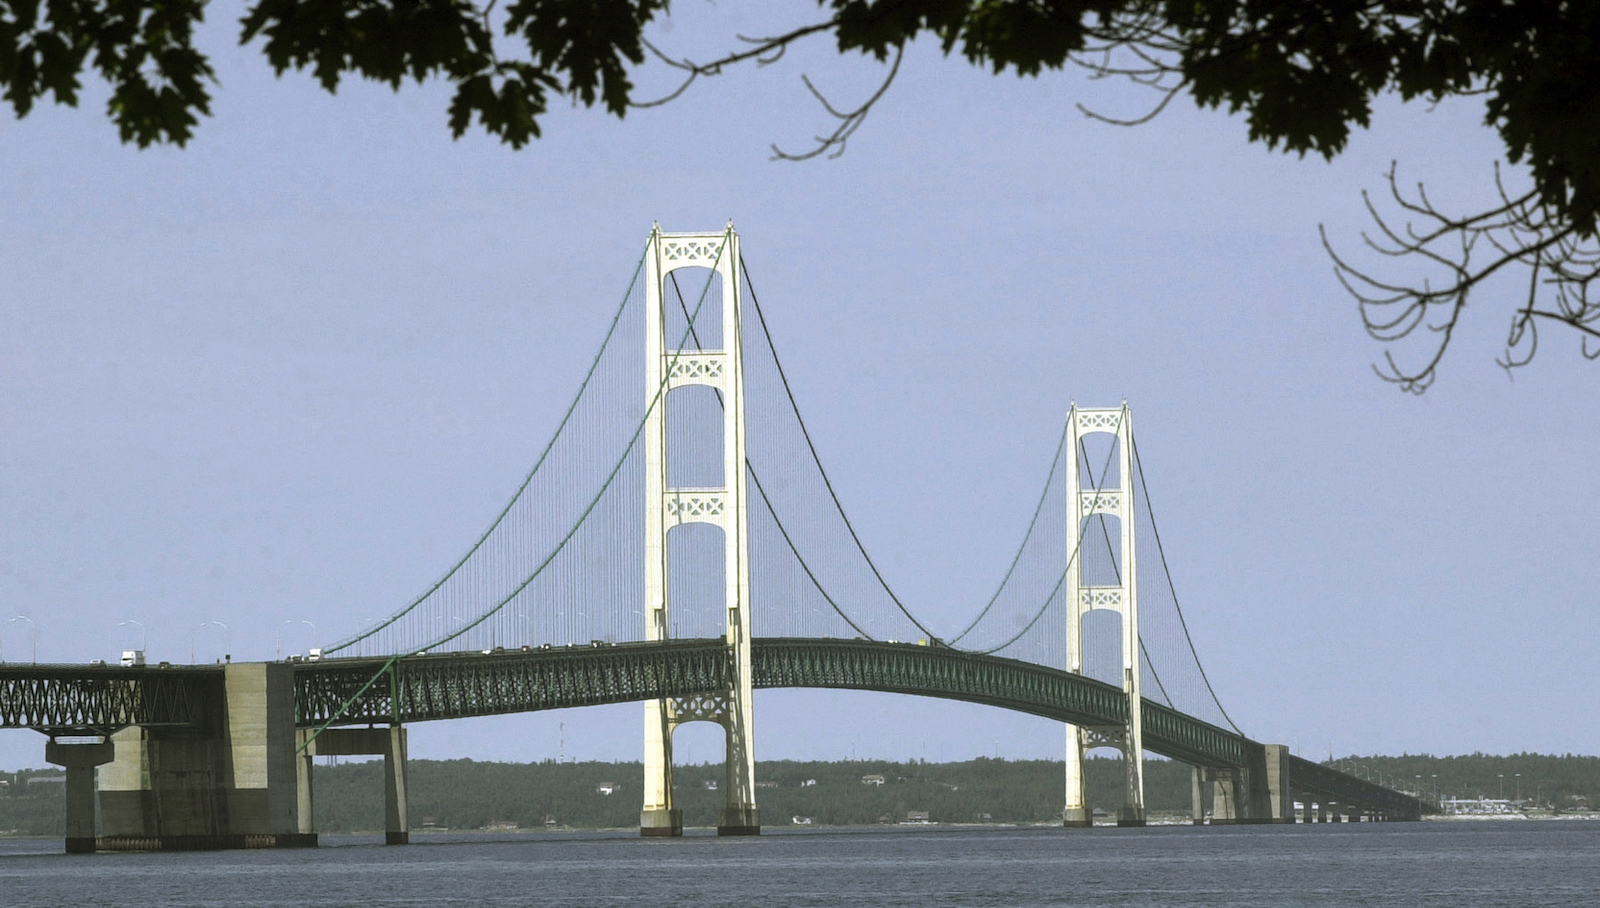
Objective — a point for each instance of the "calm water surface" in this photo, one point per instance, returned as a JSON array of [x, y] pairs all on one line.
[[1489, 863]]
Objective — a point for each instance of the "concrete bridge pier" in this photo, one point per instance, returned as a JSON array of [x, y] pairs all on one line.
[[1277, 801], [1198, 790], [390, 743], [227, 782], [1258, 792], [79, 761], [1228, 804]]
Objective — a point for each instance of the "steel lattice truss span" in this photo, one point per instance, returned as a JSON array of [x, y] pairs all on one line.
[[68, 699], [460, 685], [99, 699]]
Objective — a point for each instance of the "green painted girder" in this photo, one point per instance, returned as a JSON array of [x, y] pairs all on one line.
[[99, 699], [457, 685], [934, 671]]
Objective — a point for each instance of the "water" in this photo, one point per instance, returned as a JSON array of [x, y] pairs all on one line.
[[1489, 863]]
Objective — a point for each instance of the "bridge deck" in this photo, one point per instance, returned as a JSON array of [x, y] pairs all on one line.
[[61, 699], [457, 685]]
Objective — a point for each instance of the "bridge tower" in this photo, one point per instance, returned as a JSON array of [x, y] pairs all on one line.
[[1088, 496], [672, 363]]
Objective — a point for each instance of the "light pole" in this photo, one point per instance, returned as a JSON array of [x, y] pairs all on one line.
[[33, 635], [447, 633], [277, 636], [313, 632], [1502, 786], [226, 656], [144, 635], [1519, 787]]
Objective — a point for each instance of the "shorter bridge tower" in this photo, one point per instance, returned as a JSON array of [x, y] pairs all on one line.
[[673, 363], [1088, 496]]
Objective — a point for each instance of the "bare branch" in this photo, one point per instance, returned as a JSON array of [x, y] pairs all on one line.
[[694, 73], [1161, 105], [763, 51], [1521, 230], [1134, 48], [849, 121]]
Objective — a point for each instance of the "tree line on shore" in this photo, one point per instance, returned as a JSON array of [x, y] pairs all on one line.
[[1542, 781], [465, 794], [469, 794]]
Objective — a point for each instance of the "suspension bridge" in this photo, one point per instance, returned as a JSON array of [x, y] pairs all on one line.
[[678, 543]]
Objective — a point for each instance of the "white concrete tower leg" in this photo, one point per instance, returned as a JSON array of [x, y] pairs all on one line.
[[670, 367], [1087, 498], [658, 816], [739, 816], [1076, 812], [1132, 813]]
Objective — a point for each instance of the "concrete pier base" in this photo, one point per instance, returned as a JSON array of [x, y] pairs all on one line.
[[1278, 800], [388, 742], [661, 822], [1227, 805], [396, 806], [229, 783], [744, 820], [1077, 818], [79, 761]]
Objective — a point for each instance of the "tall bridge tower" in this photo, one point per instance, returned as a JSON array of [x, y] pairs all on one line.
[[674, 363], [1086, 499]]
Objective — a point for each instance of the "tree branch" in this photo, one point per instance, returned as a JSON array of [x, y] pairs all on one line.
[[849, 121], [1522, 230]]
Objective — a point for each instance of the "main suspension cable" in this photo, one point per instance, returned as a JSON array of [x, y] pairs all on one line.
[[526, 480], [655, 401], [1015, 559], [1072, 557], [760, 489], [805, 433], [1117, 572], [1168, 571]]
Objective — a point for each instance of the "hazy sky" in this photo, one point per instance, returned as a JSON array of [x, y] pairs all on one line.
[[285, 375]]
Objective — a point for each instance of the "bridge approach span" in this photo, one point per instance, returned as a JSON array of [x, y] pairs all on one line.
[[100, 699], [459, 685]]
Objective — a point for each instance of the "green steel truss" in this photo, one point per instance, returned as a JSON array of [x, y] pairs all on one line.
[[75, 699], [99, 699], [991, 680], [457, 685]]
